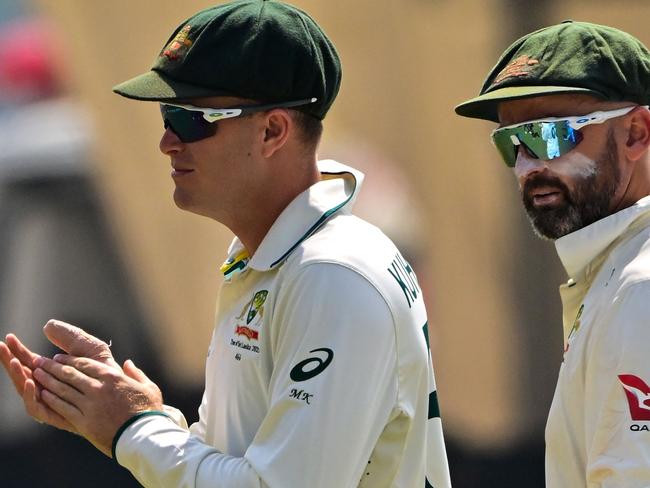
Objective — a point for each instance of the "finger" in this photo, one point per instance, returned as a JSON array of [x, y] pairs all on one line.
[[41, 412], [18, 375], [59, 388], [31, 399], [67, 412], [87, 366], [135, 373], [27, 371], [17, 378], [132, 371], [20, 351], [27, 374], [77, 342], [73, 340], [5, 355], [68, 374]]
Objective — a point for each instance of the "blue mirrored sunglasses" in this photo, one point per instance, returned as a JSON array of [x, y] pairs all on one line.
[[548, 138]]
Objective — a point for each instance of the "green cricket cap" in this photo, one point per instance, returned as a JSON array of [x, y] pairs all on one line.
[[571, 57], [264, 50]]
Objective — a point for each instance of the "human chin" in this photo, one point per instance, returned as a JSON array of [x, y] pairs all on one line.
[[554, 222], [552, 216], [182, 199]]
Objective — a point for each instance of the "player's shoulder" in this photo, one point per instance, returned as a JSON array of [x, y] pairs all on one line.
[[622, 289], [350, 242], [631, 262], [346, 240]]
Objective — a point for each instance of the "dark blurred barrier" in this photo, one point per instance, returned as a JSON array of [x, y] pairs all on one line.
[[58, 259], [518, 466]]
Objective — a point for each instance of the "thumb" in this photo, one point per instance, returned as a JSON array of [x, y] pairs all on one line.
[[77, 342], [132, 371]]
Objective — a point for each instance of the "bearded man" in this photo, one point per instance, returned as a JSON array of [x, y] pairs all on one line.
[[571, 101]]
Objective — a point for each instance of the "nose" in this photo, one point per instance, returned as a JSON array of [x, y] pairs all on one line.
[[170, 142], [526, 165]]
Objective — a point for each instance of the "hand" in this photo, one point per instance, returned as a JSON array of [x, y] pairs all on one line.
[[18, 361], [94, 398]]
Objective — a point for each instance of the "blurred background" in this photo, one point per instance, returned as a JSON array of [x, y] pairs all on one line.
[[89, 233]]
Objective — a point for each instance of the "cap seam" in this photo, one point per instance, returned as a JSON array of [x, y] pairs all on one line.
[[600, 43], [311, 47], [258, 18]]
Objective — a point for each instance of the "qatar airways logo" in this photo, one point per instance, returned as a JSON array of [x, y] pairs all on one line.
[[638, 399]]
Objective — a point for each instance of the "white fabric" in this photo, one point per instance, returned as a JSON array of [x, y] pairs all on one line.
[[592, 439], [318, 373]]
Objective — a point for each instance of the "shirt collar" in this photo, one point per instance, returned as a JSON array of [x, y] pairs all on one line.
[[578, 249], [334, 193]]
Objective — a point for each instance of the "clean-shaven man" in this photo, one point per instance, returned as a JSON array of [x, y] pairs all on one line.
[[318, 373]]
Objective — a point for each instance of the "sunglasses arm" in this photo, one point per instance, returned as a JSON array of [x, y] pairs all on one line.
[[577, 123]]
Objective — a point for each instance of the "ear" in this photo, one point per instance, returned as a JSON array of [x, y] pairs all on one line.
[[278, 125], [638, 133]]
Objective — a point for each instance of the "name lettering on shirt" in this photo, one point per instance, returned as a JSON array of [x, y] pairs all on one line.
[[401, 270]]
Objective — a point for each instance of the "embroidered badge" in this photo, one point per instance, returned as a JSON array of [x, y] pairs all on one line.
[[574, 329], [179, 45], [257, 305], [251, 313], [246, 332], [519, 67]]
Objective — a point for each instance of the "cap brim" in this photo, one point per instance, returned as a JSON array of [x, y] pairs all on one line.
[[157, 86], [485, 106]]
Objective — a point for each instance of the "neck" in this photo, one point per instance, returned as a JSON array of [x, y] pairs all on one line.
[[637, 187], [264, 206]]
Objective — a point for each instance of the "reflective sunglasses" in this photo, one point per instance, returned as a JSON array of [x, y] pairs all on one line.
[[192, 123], [548, 138]]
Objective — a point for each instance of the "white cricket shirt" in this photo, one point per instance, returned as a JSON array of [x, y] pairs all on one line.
[[598, 430], [318, 373]]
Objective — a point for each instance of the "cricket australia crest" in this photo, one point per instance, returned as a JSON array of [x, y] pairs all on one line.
[[249, 322]]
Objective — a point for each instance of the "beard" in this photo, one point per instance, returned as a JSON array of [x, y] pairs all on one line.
[[589, 201]]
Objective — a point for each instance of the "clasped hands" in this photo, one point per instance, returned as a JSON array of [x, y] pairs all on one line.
[[84, 391]]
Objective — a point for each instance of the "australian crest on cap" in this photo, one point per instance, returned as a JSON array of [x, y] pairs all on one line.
[[519, 67], [179, 45]]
